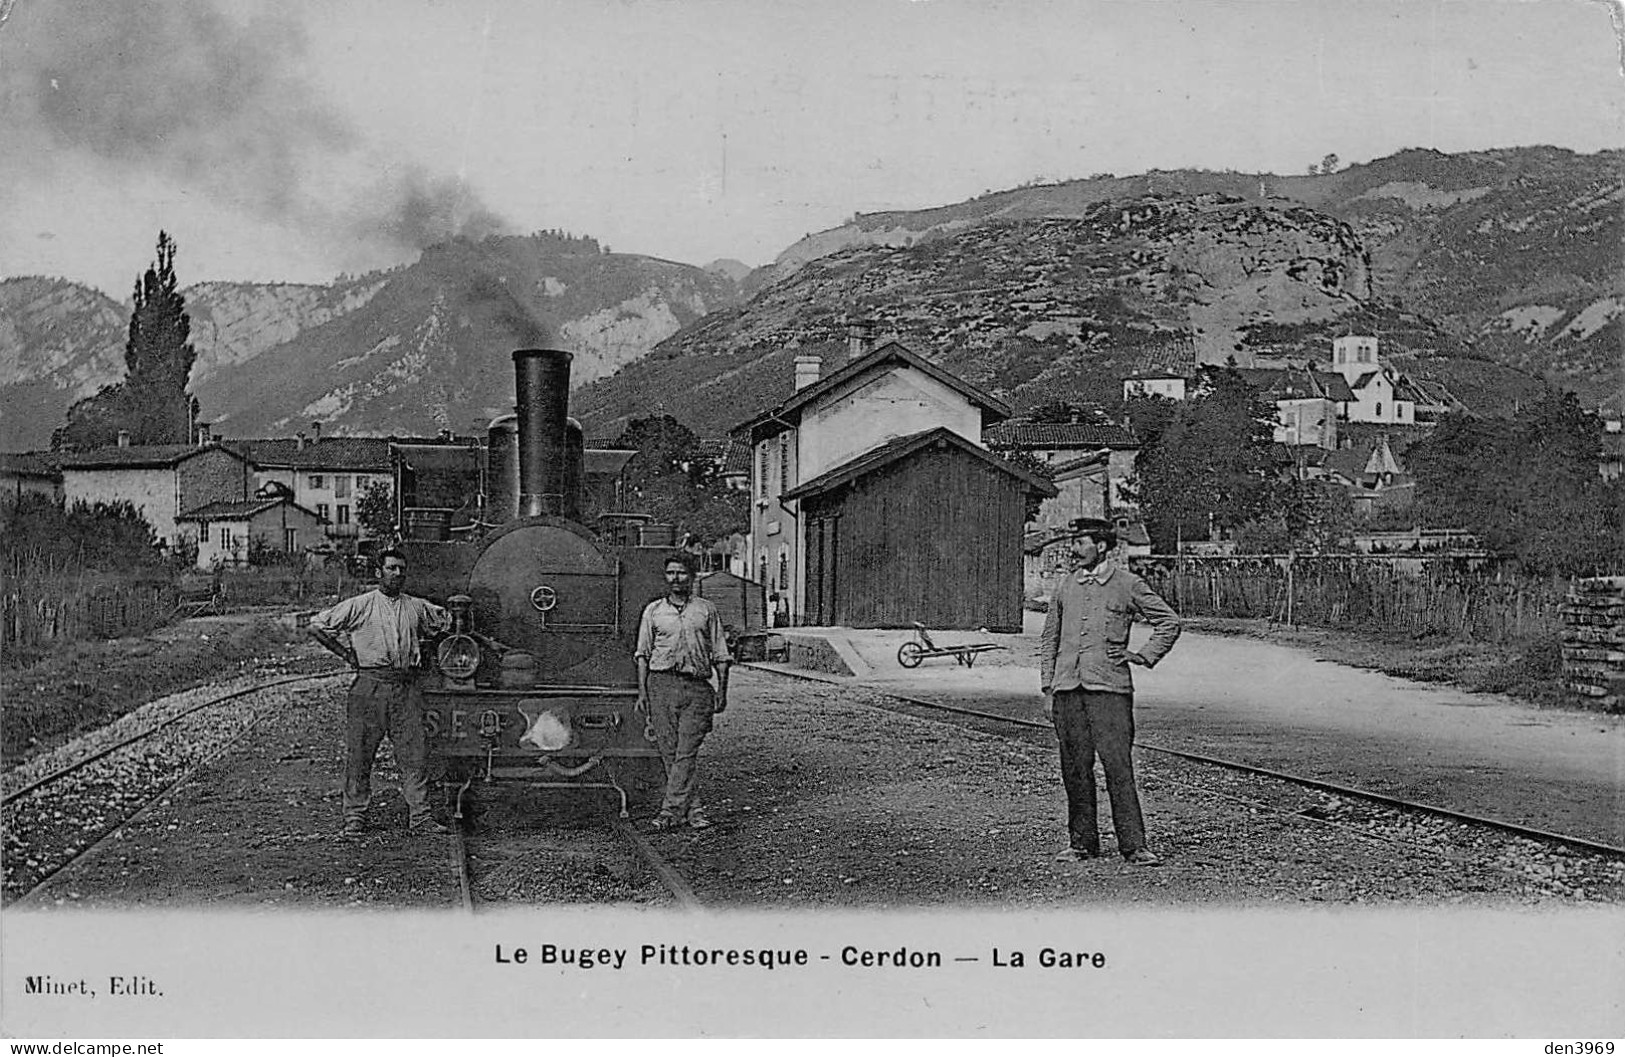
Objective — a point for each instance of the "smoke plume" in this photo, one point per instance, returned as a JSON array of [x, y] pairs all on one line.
[[180, 90]]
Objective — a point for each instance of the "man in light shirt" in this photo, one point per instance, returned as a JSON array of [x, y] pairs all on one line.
[[381, 635], [1084, 670], [680, 645]]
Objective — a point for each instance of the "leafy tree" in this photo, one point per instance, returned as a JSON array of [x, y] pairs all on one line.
[[1528, 488], [375, 511], [152, 403], [1328, 164], [42, 534], [1213, 466], [1148, 414], [159, 353], [671, 478]]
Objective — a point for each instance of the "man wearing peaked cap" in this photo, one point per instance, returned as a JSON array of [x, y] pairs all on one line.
[[1084, 664]]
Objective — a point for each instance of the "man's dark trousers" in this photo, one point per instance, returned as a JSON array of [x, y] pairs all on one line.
[[383, 702], [1091, 723]]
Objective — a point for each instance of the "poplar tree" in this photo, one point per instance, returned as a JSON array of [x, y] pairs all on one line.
[[151, 403], [158, 355]]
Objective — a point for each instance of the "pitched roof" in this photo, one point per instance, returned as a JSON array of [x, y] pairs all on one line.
[[605, 462], [1090, 435], [902, 447], [1364, 380], [30, 463], [1173, 358], [240, 510], [327, 453], [1295, 383], [738, 458], [138, 456], [993, 408]]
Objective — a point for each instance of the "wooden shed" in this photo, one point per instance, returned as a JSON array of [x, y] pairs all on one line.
[[740, 602], [924, 528]]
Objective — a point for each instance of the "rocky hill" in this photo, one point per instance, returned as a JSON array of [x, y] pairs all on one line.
[[1034, 308], [1514, 253], [1483, 270], [418, 348]]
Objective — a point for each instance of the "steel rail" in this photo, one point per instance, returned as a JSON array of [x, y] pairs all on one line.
[[63, 772], [155, 799], [465, 869], [674, 881], [1579, 843]]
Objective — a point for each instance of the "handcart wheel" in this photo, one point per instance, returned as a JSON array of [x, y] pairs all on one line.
[[910, 654]]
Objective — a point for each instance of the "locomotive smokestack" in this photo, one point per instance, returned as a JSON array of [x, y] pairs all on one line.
[[542, 391], [575, 457]]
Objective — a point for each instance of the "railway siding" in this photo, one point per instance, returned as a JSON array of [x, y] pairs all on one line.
[[826, 796]]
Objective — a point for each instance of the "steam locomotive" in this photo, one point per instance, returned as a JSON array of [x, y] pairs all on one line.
[[536, 681]]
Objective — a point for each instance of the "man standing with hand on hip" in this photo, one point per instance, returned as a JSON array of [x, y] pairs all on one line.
[[680, 644], [380, 634], [1084, 664]]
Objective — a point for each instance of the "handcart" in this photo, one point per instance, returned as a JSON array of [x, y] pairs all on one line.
[[917, 649]]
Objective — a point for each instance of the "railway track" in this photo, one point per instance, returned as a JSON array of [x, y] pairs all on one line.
[[581, 847], [62, 809], [1343, 806]]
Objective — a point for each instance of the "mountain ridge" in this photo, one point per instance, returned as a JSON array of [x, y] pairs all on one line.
[[1482, 267]]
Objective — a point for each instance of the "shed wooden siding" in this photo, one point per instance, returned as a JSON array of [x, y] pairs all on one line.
[[934, 537]]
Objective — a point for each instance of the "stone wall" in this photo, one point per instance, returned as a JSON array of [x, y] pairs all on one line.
[[1594, 643]]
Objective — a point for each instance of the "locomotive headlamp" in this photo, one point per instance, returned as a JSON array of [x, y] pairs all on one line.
[[458, 657]]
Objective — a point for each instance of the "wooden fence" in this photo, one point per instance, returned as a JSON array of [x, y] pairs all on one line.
[[1417, 596], [37, 611]]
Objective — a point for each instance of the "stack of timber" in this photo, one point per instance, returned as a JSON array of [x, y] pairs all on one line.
[[1594, 643]]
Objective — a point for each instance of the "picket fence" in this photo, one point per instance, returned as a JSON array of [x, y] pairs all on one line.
[[36, 612], [1416, 596]]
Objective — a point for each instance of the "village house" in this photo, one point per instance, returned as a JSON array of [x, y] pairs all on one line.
[[229, 533], [1170, 385], [327, 475], [1370, 466], [30, 473], [1307, 403], [1092, 462], [162, 481], [862, 484]]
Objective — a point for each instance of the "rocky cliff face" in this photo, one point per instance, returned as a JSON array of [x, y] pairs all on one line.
[[413, 350], [1030, 309], [429, 349], [1512, 253], [234, 322]]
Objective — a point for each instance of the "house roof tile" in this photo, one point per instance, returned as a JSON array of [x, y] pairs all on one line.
[[31, 464], [901, 447], [240, 510], [1086, 435], [363, 454], [137, 456]]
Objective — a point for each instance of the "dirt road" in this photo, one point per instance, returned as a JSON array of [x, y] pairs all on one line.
[[1279, 707]]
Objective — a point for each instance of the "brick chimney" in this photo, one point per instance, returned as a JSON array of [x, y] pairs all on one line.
[[808, 366], [299, 441], [124, 438], [201, 433], [859, 339], [315, 431]]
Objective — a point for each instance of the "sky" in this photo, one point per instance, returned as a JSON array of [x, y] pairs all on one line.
[[298, 139]]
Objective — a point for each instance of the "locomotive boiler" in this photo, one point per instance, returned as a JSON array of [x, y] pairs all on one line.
[[536, 682]]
